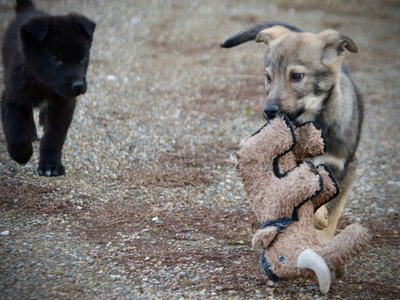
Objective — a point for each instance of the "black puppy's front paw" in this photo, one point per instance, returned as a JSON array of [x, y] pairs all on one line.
[[51, 170]]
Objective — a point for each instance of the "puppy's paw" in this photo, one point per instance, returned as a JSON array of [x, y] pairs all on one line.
[[51, 170], [320, 218]]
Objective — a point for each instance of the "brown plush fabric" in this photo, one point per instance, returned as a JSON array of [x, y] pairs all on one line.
[[279, 193], [347, 244], [280, 187], [309, 141], [330, 187]]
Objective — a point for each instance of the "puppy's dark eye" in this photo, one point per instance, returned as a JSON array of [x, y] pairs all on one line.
[[268, 78], [83, 60], [296, 77], [55, 60]]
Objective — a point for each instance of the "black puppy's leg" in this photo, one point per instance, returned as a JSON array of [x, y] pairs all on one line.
[[57, 119], [17, 125]]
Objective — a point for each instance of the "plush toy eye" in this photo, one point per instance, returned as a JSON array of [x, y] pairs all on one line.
[[268, 78], [55, 60], [281, 259], [296, 77]]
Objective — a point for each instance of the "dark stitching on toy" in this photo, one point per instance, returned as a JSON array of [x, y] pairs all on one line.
[[280, 224], [275, 164], [336, 184], [266, 270]]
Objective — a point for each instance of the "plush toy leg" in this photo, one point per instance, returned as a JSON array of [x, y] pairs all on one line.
[[344, 246]]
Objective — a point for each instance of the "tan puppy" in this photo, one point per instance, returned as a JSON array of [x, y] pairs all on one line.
[[306, 80]]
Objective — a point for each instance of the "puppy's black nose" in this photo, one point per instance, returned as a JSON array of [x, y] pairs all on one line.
[[270, 111], [78, 86]]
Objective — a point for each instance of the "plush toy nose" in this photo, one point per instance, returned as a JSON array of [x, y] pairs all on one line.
[[270, 111]]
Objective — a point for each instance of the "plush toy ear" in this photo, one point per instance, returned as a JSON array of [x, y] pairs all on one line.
[[36, 28], [335, 44], [263, 238], [272, 33]]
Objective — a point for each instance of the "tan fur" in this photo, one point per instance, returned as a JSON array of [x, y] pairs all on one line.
[[325, 93], [306, 53]]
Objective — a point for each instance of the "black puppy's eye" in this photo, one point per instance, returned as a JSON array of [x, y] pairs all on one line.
[[268, 78], [83, 60], [55, 60], [281, 259], [296, 77]]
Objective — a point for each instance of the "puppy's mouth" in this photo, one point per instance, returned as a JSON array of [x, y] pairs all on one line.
[[294, 115], [69, 94]]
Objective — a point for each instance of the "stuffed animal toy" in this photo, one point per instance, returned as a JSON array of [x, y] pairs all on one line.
[[284, 194]]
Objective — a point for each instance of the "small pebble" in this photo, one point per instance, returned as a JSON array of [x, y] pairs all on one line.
[[5, 233]]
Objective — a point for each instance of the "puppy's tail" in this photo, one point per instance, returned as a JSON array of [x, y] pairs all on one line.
[[24, 5], [251, 33]]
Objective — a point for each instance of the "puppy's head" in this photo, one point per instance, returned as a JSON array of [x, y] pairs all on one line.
[[57, 51], [301, 70]]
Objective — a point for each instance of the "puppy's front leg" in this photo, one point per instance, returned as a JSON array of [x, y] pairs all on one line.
[[57, 119], [18, 130]]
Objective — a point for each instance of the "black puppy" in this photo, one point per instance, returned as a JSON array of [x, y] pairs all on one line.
[[45, 60]]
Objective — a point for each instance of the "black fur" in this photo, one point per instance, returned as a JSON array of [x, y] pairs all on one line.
[[251, 33], [45, 60]]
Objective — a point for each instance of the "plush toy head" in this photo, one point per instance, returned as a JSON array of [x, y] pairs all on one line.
[[285, 194]]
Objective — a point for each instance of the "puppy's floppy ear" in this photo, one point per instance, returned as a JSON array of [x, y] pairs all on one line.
[[269, 34], [86, 25], [334, 41], [36, 28]]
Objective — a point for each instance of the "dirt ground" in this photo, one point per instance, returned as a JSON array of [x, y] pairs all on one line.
[[151, 206]]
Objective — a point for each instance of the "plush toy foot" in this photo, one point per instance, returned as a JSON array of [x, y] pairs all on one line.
[[320, 218], [341, 272]]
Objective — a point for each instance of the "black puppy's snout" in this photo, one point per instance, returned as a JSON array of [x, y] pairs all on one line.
[[78, 85], [270, 111]]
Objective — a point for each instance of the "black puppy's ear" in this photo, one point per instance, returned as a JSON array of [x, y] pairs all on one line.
[[86, 25], [36, 28]]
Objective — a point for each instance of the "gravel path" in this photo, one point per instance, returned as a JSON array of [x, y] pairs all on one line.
[[151, 206]]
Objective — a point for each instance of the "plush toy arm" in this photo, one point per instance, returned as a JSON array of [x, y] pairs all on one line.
[[273, 140], [256, 157], [309, 141], [330, 187]]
